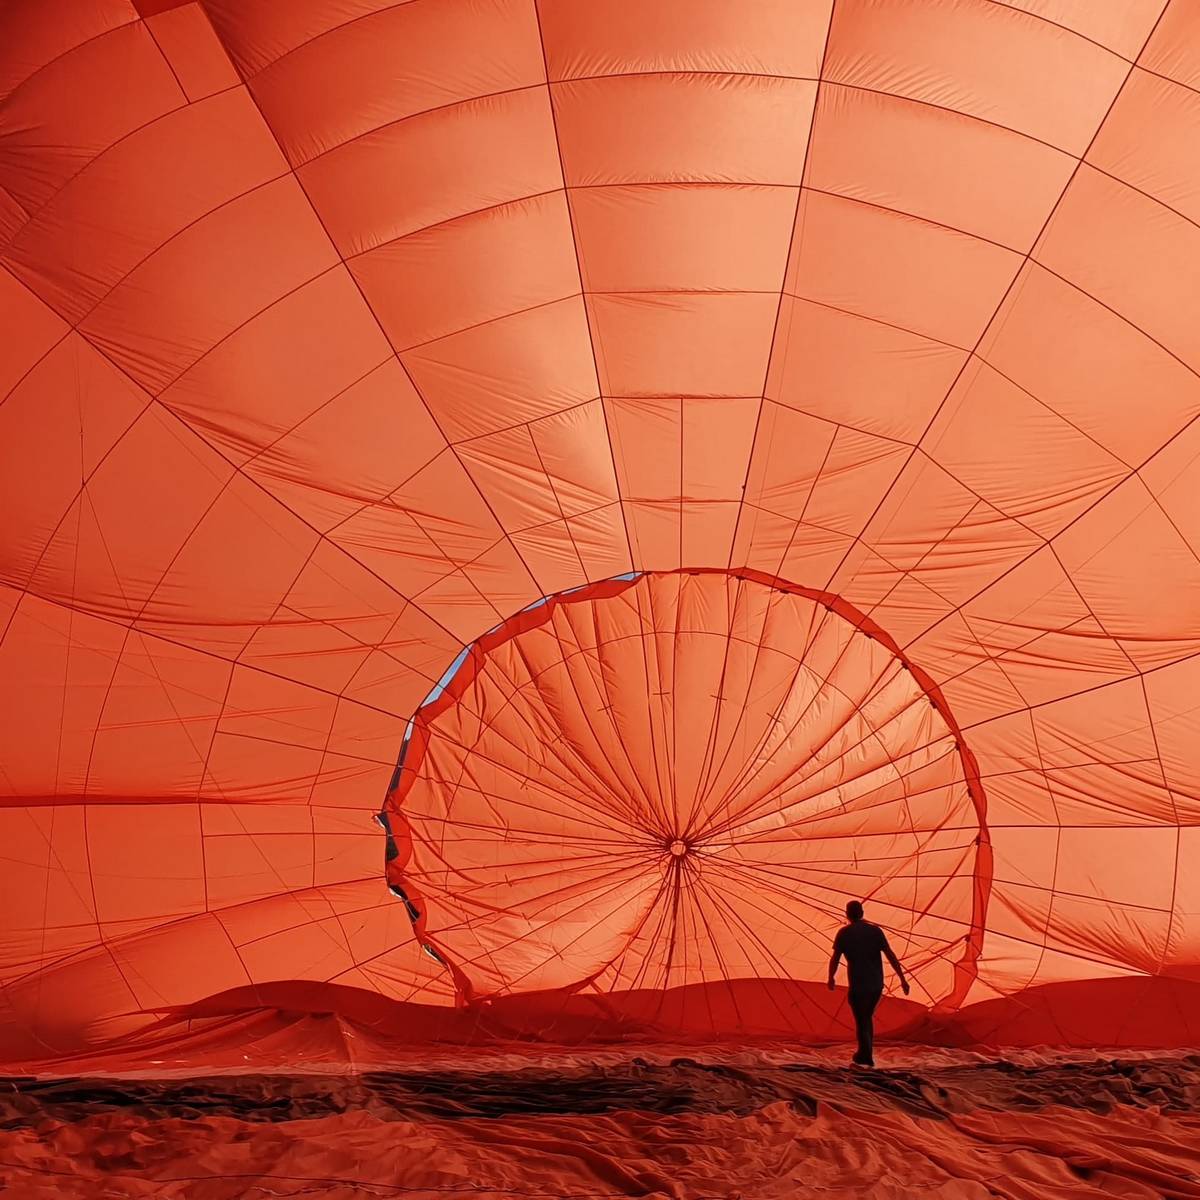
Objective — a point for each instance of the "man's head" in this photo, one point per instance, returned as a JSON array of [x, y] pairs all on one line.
[[854, 910]]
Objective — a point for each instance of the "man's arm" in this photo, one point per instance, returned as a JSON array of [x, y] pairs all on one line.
[[891, 957], [833, 962]]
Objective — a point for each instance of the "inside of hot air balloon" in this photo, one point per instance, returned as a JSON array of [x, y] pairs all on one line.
[[515, 515]]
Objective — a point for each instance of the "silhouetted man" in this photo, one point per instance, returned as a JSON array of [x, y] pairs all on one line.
[[863, 945]]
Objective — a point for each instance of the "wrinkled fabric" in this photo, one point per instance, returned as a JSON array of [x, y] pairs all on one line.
[[713, 1126]]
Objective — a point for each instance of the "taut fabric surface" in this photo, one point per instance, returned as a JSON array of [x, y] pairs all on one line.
[[831, 366]]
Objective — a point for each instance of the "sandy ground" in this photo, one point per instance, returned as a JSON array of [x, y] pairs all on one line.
[[755, 1124]]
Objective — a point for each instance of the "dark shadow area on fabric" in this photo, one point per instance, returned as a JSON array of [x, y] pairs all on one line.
[[1149, 1011], [1168, 1084]]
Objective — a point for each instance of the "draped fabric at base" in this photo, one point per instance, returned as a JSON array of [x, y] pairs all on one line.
[[663, 1123]]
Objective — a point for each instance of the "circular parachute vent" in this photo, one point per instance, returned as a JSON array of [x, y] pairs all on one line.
[[677, 781]]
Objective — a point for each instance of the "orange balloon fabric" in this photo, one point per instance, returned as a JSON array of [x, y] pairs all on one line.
[[743, 456]]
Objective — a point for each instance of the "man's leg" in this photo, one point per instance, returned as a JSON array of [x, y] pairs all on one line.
[[858, 1006], [863, 1005], [871, 1005]]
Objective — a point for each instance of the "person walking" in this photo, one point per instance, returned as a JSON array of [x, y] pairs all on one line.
[[863, 945]]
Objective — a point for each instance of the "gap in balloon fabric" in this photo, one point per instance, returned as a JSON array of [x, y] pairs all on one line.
[[643, 805]]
